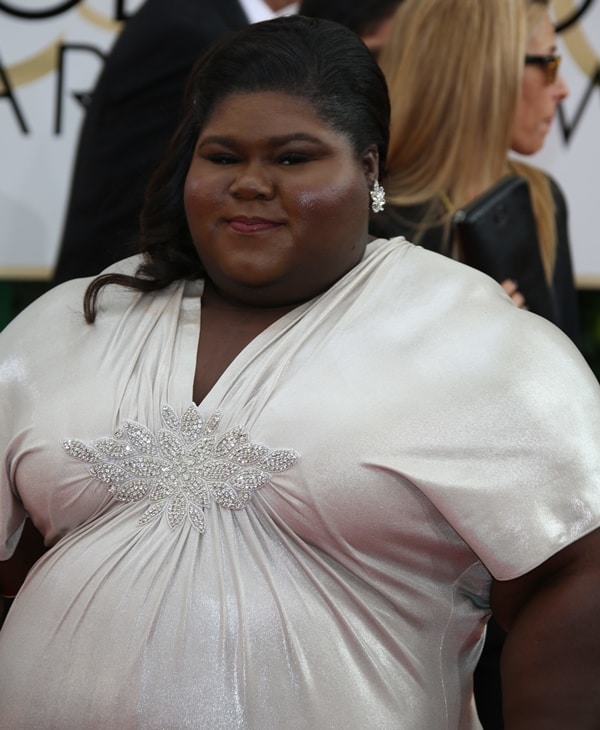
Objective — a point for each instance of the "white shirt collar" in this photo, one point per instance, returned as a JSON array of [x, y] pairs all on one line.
[[257, 10]]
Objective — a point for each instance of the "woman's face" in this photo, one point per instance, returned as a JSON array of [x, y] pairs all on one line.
[[276, 200], [538, 100]]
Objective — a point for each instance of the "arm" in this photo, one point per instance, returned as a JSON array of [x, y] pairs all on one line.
[[551, 657], [14, 570]]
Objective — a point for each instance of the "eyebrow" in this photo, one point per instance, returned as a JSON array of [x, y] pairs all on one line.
[[275, 141]]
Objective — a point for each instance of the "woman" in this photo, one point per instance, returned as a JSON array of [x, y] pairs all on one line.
[[492, 85], [269, 499]]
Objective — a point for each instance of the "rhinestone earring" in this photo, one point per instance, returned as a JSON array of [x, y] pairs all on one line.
[[377, 194]]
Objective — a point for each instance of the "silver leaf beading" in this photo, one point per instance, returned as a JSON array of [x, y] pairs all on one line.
[[183, 468]]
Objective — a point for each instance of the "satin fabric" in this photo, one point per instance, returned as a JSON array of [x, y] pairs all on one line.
[[439, 436], [404, 220]]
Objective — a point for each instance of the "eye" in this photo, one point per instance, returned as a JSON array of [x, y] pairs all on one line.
[[221, 158], [293, 158]]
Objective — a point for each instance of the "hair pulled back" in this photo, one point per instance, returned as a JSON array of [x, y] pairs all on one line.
[[316, 60]]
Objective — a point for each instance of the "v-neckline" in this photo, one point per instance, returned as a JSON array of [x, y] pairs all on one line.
[[223, 382], [263, 341]]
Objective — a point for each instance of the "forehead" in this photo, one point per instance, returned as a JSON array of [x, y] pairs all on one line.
[[269, 110], [543, 36]]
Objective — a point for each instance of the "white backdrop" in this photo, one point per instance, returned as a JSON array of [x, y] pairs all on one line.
[[572, 152], [40, 117]]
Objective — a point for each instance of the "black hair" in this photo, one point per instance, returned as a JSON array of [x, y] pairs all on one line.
[[361, 16], [316, 60]]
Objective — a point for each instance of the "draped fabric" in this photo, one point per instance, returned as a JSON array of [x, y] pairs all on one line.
[[312, 545], [405, 220]]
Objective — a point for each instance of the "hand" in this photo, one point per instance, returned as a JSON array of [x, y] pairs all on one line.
[[511, 288]]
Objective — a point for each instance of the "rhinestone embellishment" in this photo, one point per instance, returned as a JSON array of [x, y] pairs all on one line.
[[183, 467]]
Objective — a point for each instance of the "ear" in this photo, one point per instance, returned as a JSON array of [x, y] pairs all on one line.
[[370, 162]]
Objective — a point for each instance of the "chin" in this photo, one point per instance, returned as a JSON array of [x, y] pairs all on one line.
[[529, 148], [535, 148]]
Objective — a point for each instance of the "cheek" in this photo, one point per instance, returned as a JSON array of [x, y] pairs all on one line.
[[338, 214], [525, 123], [196, 201], [332, 202], [189, 195], [532, 103]]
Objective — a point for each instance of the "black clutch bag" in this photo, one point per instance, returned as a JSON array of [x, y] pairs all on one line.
[[498, 235]]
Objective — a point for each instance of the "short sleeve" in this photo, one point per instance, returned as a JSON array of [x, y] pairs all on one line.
[[12, 376], [518, 476], [500, 421]]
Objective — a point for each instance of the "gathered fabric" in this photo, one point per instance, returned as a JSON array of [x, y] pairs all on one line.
[[312, 545]]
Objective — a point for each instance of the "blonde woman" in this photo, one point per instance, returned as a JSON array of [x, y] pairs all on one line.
[[469, 81]]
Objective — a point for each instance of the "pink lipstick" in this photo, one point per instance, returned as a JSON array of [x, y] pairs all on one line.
[[243, 224]]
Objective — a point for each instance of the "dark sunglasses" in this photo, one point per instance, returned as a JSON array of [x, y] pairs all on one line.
[[549, 64]]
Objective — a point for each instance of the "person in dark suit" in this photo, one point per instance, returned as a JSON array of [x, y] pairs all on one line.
[[370, 20], [133, 112]]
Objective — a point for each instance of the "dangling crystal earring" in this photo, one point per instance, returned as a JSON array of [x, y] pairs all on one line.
[[377, 197]]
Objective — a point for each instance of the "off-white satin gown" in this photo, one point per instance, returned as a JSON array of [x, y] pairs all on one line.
[[311, 546]]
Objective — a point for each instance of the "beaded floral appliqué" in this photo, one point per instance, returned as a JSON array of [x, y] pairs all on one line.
[[183, 467]]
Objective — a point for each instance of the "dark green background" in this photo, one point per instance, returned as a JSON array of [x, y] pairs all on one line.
[[16, 295]]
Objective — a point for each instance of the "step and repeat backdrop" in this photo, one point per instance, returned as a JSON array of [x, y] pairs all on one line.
[[51, 53]]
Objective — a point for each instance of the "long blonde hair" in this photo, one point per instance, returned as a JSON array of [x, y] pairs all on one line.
[[454, 70]]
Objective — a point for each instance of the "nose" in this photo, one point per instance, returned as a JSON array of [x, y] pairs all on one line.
[[252, 181]]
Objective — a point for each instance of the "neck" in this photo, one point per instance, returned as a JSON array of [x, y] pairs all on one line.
[[212, 298], [276, 5]]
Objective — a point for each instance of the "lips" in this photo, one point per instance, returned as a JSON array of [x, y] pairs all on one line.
[[243, 224]]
